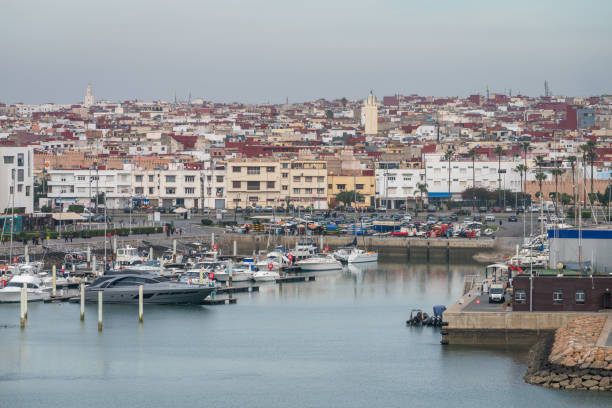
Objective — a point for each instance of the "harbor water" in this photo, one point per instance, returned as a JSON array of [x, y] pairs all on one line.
[[340, 341]]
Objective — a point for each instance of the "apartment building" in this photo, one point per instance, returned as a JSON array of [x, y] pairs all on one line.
[[213, 178], [16, 173], [253, 182], [361, 180], [485, 174], [304, 183], [396, 186], [81, 186], [175, 184]]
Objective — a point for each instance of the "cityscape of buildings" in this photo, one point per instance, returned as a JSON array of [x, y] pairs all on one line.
[[394, 152]]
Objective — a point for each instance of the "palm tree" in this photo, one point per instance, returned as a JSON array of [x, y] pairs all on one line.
[[422, 187], [523, 170], [572, 161], [448, 156], [472, 154], [499, 151], [591, 156], [541, 177], [525, 147], [556, 173]]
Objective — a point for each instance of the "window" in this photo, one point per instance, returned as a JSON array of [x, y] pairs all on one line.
[[308, 191], [320, 191], [236, 169], [359, 186], [189, 190], [285, 188], [150, 190], [139, 178], [270, 184], [20, 159], [81, 178], [236, 184], [270, 169], [308, 179], [285, 175], [20, 174], [150, 179], [329, 186], [27, 190], [252, 170], [558, 296], [320, 179], [520, 296], [341, 187], [189, 179], [296, 179], [296, 191], [139, 190], [219, 179], [285, 165], [19, 188], [253, 185], [9, 159], [170, 179], [170, 190], [391, 178], [580, 296]]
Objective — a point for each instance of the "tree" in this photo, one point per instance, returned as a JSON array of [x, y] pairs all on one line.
[[472, 154], [499, 151], [343, 101], [521, 168], [541, 177], [347, 197], [448, 157], [556, 173], [329, 114], [422, 187], [588, 155], [572, 162]]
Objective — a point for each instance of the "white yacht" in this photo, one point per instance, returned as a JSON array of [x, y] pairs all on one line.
[[304, 248], [128, 256], [273, 258], [319, 263], [265, 276], [241, 272], [359, 255], [36, 289]]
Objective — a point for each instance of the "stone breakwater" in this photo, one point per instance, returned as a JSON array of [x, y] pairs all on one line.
[[571, 359]]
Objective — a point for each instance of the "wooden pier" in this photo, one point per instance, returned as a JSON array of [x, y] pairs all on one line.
[[220, 301], [289, 279], [237, 289]]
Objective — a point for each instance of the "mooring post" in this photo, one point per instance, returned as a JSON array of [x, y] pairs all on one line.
[[212, 240], [235, 250], [26, 253], [53, 280], [88, 258], [21, 308], [25, 300], [150, 253], [100, 310], [201, 275], [174, 250], [140, 302], [115, 246], [82, 301], [93, 266]]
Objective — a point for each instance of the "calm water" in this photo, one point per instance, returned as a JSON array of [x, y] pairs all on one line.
[[336, 342]]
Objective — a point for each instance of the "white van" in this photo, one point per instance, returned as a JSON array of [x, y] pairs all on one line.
[[496, 293]]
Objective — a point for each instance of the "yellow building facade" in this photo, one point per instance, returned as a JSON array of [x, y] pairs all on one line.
[[363, 182]]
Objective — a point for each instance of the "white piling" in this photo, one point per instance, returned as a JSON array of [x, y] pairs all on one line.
[[53, 280], [88, 257], [21, 308], [115, 245], [140, 302], [25, 300], [201, 276], [235, 249], [174, 250], [100, 311], [212, 240], [82, 301], [93, 266], [150, 253], [321, 243], [73, 268], [26, 253]]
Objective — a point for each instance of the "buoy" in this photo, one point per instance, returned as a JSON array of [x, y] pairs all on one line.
[[270, 266]]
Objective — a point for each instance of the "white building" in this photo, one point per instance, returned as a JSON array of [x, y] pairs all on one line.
[[394, 187], [16, 174], [485, 174], [369, 115], [174, 185], [80, 186], [213, 177]]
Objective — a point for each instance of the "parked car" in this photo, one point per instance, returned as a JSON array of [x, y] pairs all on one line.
[[478, 218], [496, 209], [258, 209], [482, 209], [238, 209], [431, 208], [268, 209], [490, 218], [509, 210], [512, 218]]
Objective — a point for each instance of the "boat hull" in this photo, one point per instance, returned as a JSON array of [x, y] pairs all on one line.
[[364, 257], [14, 296], [167, 296]]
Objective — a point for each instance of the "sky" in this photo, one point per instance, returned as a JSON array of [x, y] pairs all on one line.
[[263, 51]]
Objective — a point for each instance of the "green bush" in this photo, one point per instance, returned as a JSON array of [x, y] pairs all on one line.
[[85, 233], [76, 208], [206, 221]]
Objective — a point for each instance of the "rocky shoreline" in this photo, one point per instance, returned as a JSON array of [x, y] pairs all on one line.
[[570, 360]]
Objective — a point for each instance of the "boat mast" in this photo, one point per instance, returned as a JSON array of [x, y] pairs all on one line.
[[12, 219]]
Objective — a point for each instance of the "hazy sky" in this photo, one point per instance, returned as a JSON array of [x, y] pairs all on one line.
[[266, 50]]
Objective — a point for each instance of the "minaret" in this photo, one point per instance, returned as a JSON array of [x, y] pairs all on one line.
[[370, 114], [89, 96]]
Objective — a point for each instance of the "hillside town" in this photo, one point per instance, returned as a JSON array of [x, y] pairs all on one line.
[[395, 152]]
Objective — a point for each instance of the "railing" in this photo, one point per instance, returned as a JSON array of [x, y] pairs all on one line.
[[470, 282]]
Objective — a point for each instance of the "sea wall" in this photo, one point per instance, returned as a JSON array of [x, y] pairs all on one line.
[[575, 358]]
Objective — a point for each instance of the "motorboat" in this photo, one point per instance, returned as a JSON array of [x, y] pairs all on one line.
[[192, 277], [265, 276], [359, 255], [156, 290], [273, 258], [342, 254], [36, 289], [129, 256], [239, 273], [145, 268], [319, 263], [305, 248]]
